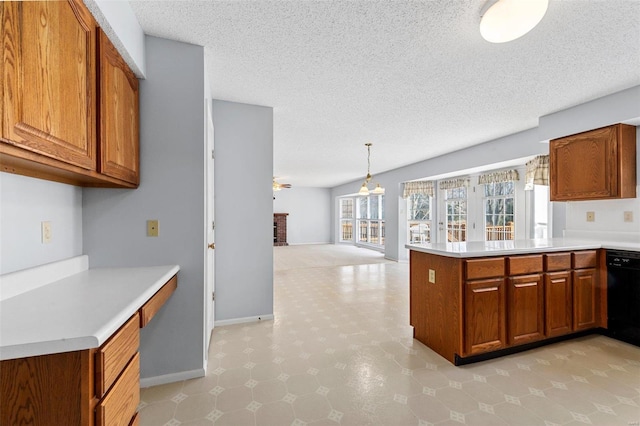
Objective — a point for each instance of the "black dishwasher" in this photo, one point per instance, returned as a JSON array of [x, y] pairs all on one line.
[[623, 296]]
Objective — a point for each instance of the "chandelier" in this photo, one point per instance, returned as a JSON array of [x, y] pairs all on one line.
[[364, 190]]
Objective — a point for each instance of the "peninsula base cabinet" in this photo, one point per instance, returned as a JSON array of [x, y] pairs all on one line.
[[484, 315], [92, 387], [461, 308]]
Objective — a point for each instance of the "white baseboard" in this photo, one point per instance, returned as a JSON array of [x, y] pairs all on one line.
[[171, 378], [310, 244], [243, 320]]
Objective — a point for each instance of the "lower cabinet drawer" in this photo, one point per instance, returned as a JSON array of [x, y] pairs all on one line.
[[157, 301], [113, 356], [119, 406], [485, 268]]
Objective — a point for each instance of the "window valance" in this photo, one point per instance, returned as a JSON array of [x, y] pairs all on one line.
[[454, 183], [423, 187], [537, 172], [499, 177]]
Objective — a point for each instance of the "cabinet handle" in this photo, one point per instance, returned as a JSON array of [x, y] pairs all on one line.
[[484, 290], [525, 285]]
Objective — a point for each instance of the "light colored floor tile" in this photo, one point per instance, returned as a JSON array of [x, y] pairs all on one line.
[[275, 413], [236, 418], [195, 407], [234, 399], [311, 407], [157, 413], [340, 351]]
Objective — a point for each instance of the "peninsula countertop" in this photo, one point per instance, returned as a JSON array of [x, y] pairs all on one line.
[[501, 248], [78, 312]]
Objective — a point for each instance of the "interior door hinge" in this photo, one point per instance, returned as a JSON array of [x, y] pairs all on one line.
[[213, 295], [213, 225], [213, 154]]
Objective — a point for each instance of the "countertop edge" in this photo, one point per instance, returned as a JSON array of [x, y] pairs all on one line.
[[566, 245], [111, 327]]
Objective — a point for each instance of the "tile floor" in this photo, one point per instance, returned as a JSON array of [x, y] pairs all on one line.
[[340, 352]]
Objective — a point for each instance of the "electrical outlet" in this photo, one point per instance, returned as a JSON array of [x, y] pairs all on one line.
[[153, 228], [432, 276], [46, 232], [591, 216], [628, 216]]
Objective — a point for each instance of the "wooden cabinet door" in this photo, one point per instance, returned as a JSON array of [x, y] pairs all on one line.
[[597, 164], [584, 299], [48, 71], [485, 321], [525, 309], [118, 137], [558, 303]]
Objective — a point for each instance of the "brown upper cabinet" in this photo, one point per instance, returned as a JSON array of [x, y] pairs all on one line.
[[50, 124], [118, 112], [594, 165]]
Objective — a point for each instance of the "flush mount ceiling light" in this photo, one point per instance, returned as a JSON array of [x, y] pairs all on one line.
[[364, 190], [506, 20]]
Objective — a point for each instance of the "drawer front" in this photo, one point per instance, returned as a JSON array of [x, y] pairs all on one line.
[[154, 304], [557, 262], [120, 404], [485, 268], [521, 265], [585, 259], [114, 355]]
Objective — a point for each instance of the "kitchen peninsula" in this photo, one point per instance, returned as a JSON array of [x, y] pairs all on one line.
[[476, 300]]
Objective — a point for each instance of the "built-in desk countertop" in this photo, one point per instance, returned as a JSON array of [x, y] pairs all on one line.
[[77, 312]]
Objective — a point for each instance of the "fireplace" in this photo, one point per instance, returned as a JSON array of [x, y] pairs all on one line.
[[280, 229]]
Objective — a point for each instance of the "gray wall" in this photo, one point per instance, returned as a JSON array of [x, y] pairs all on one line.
[[172, 191], [243, 210], [309, 209], [26, 202], [617, 107]]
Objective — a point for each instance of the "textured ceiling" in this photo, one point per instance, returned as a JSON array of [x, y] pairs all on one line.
[[415, 78]]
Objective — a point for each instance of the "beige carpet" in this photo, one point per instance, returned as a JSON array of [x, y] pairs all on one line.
[[323, 255]]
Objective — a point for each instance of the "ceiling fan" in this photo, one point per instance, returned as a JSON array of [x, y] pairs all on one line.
[[278, 186]]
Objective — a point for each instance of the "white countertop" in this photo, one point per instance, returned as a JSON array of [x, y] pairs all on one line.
[[77, 312], [501, 248]]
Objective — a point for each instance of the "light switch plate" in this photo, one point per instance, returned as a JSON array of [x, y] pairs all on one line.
[[153, 228], [46, 232], [432, 276]]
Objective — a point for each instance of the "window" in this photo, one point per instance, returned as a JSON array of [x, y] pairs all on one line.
[[419, 218], [370, 220], [499, 203], [541, 211], [456, 213], [346, 219]]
